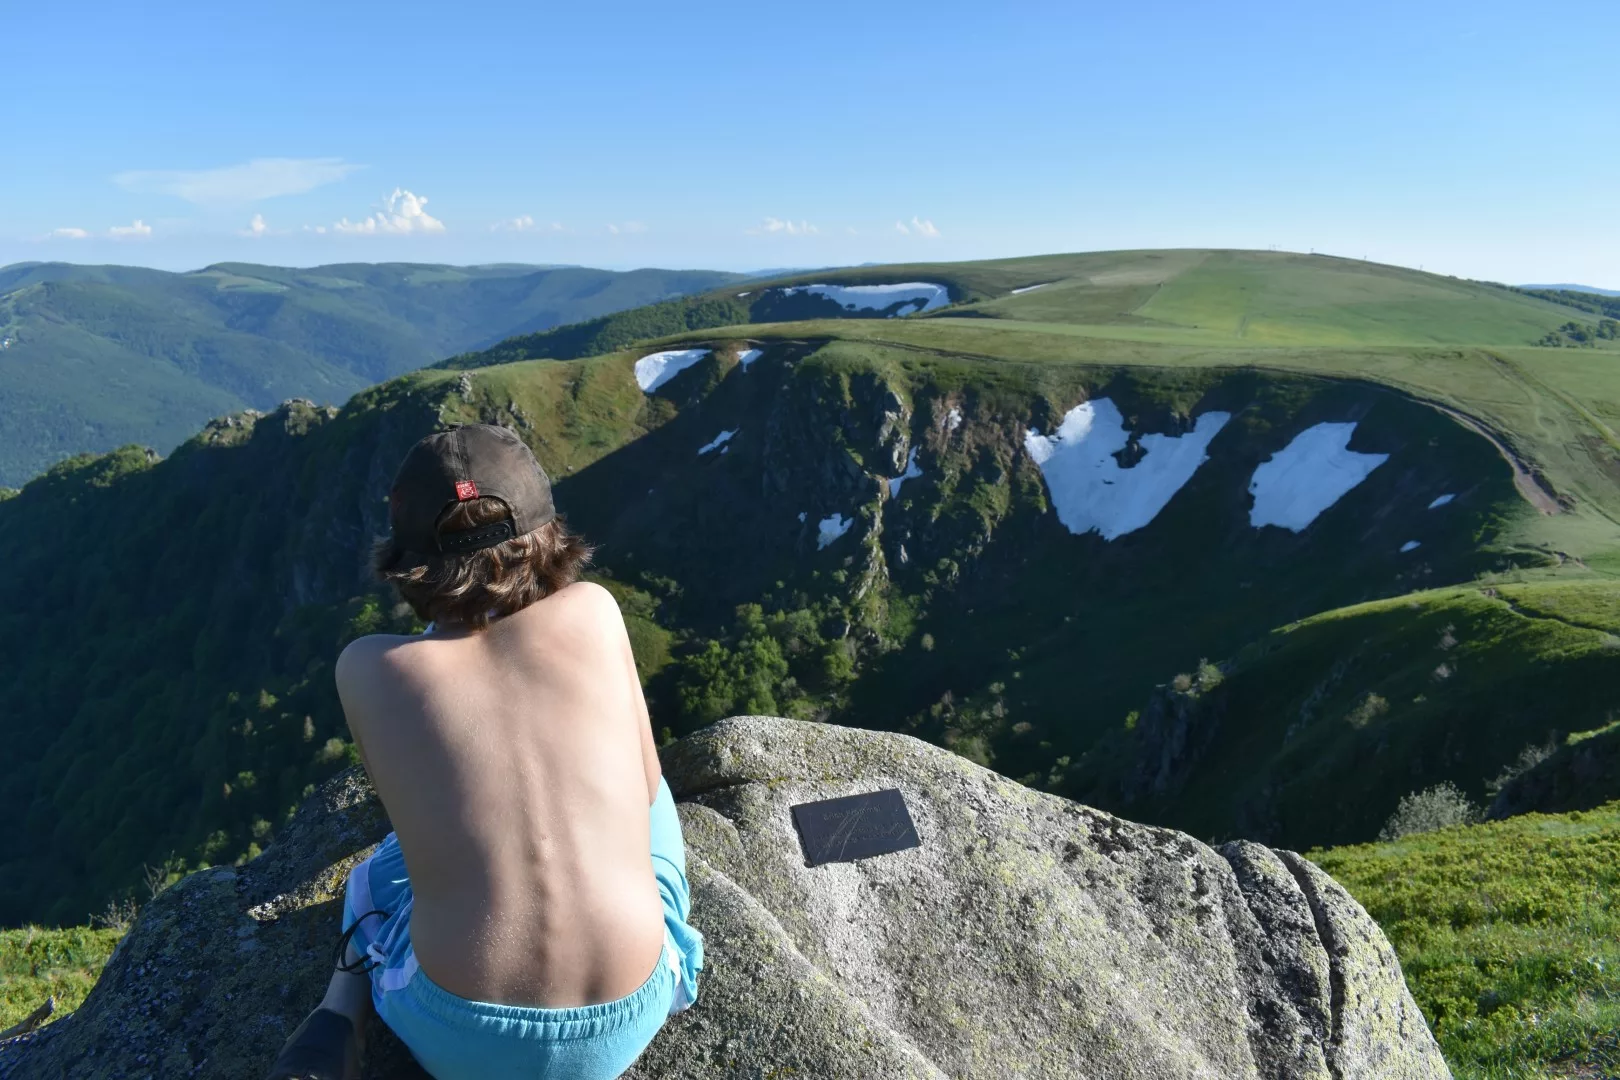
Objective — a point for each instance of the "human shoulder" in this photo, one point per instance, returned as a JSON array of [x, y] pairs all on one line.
[[589, 598], [364, 656]]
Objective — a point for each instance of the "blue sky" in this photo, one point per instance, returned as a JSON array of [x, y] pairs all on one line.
[[1467, 138]]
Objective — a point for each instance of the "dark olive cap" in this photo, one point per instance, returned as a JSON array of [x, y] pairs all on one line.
[[469, 461]]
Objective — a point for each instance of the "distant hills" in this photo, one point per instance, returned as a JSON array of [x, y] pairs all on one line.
[[1566, 287], [94, 357]]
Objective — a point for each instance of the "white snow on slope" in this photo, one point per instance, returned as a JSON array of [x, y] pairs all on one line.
[[656, 369], [801, 517], [925, 295], [832, 527], [748, 356], [953, 419], [1441, 500], [1410, 545], [1031, 288], [911, 473], [1089, 489], [719, 440], [1307, 476]]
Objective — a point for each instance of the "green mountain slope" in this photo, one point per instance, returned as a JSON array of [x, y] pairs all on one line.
[[92, 357], [1312, 734]]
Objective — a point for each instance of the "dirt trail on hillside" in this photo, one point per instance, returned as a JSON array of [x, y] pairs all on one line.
[[1530, 485]]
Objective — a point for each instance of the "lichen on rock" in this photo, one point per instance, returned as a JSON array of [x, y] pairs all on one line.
[[1028, 936]]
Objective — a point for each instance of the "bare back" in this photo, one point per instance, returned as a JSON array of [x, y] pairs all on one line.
[[517, 766]]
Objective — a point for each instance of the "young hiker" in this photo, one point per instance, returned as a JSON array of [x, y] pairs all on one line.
[[541, 928]]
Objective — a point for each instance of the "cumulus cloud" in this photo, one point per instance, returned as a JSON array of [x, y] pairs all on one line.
[[66, 234], [256, 227], [918, 227], [788, 227], [626, 227], [261, 178], [524, 223], [402, 212], [137, 228]]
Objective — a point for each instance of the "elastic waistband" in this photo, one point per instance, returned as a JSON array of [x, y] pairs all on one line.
[[582, 1021]]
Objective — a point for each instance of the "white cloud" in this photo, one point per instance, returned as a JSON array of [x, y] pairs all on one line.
[[66, 234], [524, 223], [918, 227], [319, 229], [789, 227], [627, 227], [256, 227], [136, 228], [261, 178], [401, 213]]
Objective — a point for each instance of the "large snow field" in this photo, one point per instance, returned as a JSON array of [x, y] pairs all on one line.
[[1089, 489], [1307, 476], [748, 356], [718, 441], [911, 473], [925, 295], [832, 527], [656, 369]]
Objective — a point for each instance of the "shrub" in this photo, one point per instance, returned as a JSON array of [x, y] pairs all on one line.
[[1435, 808]]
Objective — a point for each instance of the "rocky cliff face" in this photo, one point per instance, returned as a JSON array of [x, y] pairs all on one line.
[[1028, 936]]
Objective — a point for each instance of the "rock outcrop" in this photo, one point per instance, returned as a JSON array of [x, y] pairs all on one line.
[[1028, 936]]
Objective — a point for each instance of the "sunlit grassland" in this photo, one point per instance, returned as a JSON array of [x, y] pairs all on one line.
[[1508, 935]]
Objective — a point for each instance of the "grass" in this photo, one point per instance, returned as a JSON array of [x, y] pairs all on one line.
[[36, 964], [1509, 936]]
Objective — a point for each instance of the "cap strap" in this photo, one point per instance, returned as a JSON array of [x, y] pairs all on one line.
[[485, 536]]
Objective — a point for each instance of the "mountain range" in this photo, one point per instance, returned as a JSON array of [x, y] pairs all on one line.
[[93, 357]]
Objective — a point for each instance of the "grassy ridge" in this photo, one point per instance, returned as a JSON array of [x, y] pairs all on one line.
[[1315, 732], [36, 964], [1509, 937]]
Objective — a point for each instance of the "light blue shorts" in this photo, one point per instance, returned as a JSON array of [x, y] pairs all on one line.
[[457, 1039]]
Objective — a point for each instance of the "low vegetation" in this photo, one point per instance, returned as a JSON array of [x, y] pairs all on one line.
[[36, 964], [1509, 935]]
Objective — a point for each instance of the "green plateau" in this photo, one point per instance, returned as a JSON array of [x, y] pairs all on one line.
[[171, 695]]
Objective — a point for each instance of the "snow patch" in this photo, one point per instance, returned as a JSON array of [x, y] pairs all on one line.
[[801, 517], [719, 441], [1307, 476], [741, 295], [953, 419], [1089, 489], [1030, 288], [1441, 500], [911, 473], [748, 356], [656, 369], [925, 295], [1410, 545], [832, 527]]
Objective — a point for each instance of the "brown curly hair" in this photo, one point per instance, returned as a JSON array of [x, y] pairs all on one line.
[[472, 588]]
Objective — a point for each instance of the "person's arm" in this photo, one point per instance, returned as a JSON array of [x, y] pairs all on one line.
[[346, 673], [649, 747], [627, 659]]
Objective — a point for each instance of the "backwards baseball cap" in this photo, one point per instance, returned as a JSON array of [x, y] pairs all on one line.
[[469, 461]]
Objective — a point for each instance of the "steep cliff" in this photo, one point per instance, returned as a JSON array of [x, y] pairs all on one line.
[[1028, 936]]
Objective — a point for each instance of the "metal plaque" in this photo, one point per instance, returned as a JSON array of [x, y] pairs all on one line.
[[854, 827]]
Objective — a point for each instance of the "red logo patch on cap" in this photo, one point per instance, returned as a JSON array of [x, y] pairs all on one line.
[[466, 489]]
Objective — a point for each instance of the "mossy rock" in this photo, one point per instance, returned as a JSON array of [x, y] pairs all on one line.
[[1028, 936]]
